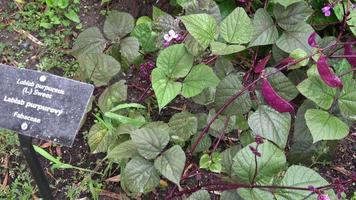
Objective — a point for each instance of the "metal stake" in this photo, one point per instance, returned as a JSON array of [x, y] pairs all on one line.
[[35, 167]]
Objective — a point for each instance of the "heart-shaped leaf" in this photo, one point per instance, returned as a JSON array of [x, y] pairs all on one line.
[[118, 24], [272, 161], [140, 176], [150, 141], [271, 124], [171, 163], [324, 126], [237, 27], [99, 68], [199, 78]]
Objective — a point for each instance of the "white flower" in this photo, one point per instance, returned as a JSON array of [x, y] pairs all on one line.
[[170, 36]]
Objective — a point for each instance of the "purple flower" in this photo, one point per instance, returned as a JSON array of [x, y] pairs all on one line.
[[254, 151], [172, 37], [259, 139], [323, 197], [327, 10], [146, 69]]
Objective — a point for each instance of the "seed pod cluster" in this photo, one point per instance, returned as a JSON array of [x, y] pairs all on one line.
[[273, 99], [326, 74]]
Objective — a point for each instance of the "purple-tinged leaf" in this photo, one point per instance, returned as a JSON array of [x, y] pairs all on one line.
[[312, 40], [349, 52], [273, 99], [262, 64], [326, 74]]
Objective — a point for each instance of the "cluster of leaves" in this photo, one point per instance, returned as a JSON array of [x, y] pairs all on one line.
[[240, 99], [59, 12]]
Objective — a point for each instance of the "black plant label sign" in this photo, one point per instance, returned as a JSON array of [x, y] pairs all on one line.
[[42, 105]]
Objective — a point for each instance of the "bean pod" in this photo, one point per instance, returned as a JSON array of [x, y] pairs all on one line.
[[273, 99], [326, 74]]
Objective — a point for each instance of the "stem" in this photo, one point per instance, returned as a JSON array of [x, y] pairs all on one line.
[[222, 132], [222, 186], [347, 72], [256, 165], [342, 56]]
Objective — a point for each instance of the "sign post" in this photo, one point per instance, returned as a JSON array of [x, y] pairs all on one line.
[[43, 106], [35, 167]]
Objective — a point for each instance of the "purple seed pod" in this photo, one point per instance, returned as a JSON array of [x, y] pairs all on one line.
[[262, 64], [326, 74], [348, 52], [273, 99], [312, 40]]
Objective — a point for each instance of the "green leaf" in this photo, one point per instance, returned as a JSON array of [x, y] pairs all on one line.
[[175, 61], [193, 46], [352, 21], [165, 89], [89, 41], [99, 139], [118, 24], [129, 48], [72, 15], [324, 126], [237, 27], [205, 161], [296, 37], [204, 6], [125, 120], [300, 176], [230, 195], [219, 48], [292, 15], [281, 84], [226, 89], [199, 78], [122, 151], [150, 141], [271, 124], [254, 194], [200, 195], [46, 155], [302, 148], [227, 159], [298, 54], [202, 27], [204, 143], [146, 36], [285, 3], [183, 125], [140, 176], [99, 68], [127, 105], [223, 67], [347, 99], [272, 161], [171, 163], [265, 29], [219, 124], [62, 3], [316, 90], [112, 95]]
